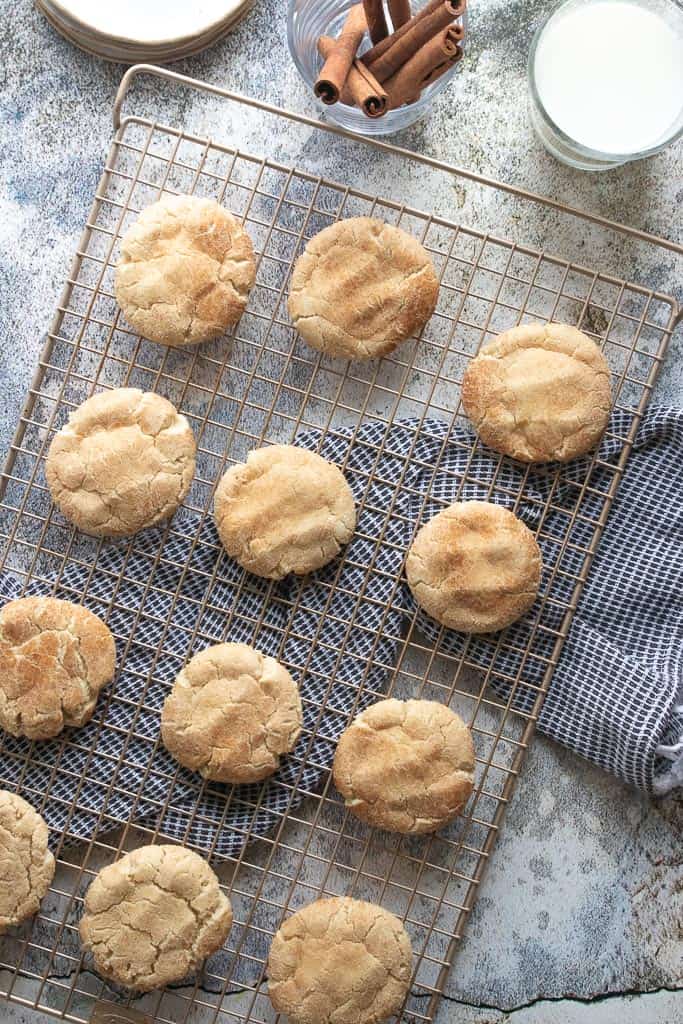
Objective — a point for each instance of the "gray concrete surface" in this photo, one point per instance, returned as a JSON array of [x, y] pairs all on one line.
[[580, 917]]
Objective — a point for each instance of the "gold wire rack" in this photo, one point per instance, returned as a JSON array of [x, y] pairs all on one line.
[[265, 386]]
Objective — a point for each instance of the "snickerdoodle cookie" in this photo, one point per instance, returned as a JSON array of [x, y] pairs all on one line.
[[284, 510], [339, 961], [360, 288], [152, 917], [185, 272], [124, 460], [405, 766], [231, 714], [539, 392], [26, 865], [55, 657], [474, 567]]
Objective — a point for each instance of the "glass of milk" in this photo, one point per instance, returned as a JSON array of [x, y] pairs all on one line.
[[606, 80]]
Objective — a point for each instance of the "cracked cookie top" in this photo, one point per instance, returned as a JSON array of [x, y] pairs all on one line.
[[284, 510], [406, 766], [231, 714], [26, 865], [185, 272], [360, 288], [125, 460], [539, 393], [474, 567], [153, 916], [55, 657], [339, 961]]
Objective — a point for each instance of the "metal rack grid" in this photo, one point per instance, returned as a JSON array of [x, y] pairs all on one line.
[[262, 386]]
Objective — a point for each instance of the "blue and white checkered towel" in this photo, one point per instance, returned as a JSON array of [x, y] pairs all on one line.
[[615, 697]]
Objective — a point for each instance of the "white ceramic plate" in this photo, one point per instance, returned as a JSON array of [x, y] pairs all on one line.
[[133, 52], [156, 23]]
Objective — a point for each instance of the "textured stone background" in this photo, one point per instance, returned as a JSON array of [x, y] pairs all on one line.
[[580, 916]]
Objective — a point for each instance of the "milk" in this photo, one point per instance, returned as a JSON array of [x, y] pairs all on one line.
[[609, 73]]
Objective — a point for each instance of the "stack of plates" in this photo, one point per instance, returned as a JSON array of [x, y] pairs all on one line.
[[131, 31]]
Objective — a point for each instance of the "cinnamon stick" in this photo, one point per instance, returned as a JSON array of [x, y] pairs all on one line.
[[377, 23], [361, 88], [400, 12], [424, 67], [456, 8], [406, 45], [396, 100], [441, 68], [335, 70]]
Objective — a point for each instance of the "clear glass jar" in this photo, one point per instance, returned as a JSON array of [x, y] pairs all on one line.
[[562, 145], [307, 20]]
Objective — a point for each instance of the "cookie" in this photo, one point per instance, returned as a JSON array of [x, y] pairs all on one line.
[[405, 766], [360, 288], [26, 865], [339, 961], [284, 510], [474, 567], [231, 714], [55, 657], [539, 393], [125, 460], [185, 272], [153, 916]]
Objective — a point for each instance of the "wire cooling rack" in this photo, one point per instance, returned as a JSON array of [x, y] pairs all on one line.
[[262, 386]]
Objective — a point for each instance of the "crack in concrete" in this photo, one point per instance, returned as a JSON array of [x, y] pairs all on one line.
[[171, 987], [539, 1000], [507, 1010]]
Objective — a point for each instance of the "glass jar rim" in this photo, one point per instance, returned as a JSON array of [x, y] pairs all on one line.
[[587, 151]]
